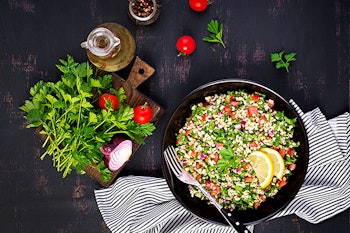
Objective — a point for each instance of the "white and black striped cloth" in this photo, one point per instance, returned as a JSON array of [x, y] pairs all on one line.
[[139, 204]]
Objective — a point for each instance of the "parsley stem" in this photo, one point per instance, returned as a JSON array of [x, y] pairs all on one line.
[[285, 65], [223, 44]]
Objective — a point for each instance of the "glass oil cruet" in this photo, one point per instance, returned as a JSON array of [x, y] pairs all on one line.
[[110, 47]]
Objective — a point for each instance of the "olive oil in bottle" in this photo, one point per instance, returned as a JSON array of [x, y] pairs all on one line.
[[110, 47]]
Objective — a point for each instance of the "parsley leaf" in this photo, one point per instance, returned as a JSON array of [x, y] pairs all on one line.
[[229, 159], [282, 60], [216, 33]]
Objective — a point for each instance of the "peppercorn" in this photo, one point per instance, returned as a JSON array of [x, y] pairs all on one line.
[[142, 8]]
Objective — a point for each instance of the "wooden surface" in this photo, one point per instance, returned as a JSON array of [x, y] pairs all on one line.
[[140, 72], [35, 34]]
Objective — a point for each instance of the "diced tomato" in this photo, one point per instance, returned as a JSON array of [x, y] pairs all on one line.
[[262, 197], [248, 178], [255, 97], [292, 166], [245, 166], [271, 103], [215, 192], [198, 177], [227, 109], [291, 151], [262, 119], [194, 154], [204, 117], [253, 144], [216, 158], [281, 183], [219, 145], [234, 102], [256, 205], [213, 188], [252, 110], [282, 152], [198, 165], [209, 185]]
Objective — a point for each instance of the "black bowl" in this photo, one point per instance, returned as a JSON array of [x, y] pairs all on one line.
[[272, 205]]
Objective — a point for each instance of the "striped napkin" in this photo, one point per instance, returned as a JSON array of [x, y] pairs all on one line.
[[139, 204]]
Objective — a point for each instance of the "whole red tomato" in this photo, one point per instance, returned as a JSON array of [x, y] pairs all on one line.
[[143, 114], [198, 5], [186, 45], [108, 100]]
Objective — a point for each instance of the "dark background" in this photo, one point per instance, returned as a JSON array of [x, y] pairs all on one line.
[[35, 34]]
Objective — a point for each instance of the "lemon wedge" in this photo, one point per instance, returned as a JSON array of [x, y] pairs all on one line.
[[277, 161], [263, 167]]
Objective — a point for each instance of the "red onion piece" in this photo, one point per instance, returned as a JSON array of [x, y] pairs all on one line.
[[120, 155]]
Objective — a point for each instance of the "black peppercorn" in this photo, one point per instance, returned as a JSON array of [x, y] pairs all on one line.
[[142, 8], [144, 12]]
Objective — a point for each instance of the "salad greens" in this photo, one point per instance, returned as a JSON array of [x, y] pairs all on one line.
[[74, 128]]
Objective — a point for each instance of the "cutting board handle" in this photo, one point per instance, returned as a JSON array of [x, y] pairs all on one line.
[[139, 73]]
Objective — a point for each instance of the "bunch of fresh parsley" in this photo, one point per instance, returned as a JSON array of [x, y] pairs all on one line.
[[73, 126]]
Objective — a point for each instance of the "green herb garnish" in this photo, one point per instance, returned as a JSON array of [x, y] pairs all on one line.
[[73, 127], [282, 59], [229, 159], [216, 33]]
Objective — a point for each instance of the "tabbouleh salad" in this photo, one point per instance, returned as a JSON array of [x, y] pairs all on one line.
[[217, 138]]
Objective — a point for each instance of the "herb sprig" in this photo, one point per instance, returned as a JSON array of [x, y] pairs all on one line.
[[73, 127], [229, 159], [282, 60], [216, 33]]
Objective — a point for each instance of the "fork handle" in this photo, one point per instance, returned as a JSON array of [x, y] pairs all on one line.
[[228, 216], [240, 228]]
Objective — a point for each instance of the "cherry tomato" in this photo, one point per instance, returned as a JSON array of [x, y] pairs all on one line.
[[186, 45], [143, 114], [198, 5], [108, 100]]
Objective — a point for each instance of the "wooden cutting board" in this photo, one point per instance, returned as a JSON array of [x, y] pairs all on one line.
[[139, 73]]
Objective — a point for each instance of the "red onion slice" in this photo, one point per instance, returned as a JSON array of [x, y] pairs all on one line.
[[120, 155]]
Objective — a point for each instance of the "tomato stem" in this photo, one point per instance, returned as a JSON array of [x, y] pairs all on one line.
[[144, 105]]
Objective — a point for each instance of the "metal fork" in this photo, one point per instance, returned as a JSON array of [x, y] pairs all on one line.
[[175, 166]]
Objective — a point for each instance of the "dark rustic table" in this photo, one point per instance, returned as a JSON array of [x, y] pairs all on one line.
[[35, 34]]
